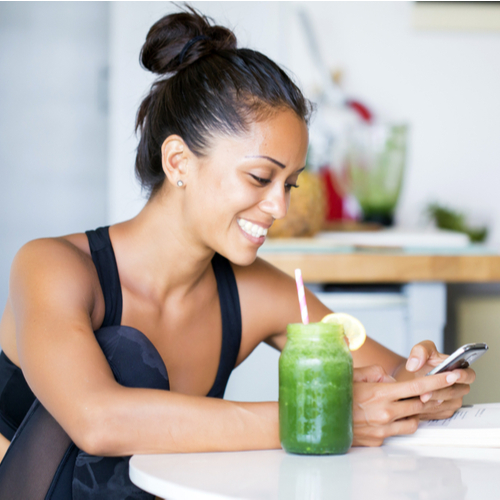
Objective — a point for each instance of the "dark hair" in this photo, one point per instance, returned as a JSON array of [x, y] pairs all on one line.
[[207, 86]]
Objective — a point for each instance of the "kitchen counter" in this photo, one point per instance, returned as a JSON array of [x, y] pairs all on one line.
[[321, 262]]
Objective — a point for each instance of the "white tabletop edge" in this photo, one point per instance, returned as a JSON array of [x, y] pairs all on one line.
[[165, 489], [275, 473]]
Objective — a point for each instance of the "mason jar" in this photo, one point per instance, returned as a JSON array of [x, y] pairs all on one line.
[[315, 390]]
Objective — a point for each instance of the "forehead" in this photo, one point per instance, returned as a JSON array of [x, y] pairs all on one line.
[[283, 137]]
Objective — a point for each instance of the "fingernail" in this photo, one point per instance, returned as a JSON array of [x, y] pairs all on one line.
[[411, 364], [425, 397], [452, 378]]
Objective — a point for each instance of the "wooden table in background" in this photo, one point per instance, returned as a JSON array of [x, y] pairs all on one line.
[[352, 265]]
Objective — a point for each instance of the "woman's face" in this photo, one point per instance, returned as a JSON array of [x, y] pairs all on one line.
[[236, 192]]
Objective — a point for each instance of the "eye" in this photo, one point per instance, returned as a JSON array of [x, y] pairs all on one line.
[[260, 180], [289, 186]]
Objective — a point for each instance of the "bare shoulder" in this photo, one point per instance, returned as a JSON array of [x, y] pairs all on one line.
[[49, 267], [58, 255], [50, 277]]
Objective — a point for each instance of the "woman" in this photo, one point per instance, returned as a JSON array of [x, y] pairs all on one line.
[[93, 319]]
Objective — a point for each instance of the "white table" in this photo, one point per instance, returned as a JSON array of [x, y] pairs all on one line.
[[386, 473]]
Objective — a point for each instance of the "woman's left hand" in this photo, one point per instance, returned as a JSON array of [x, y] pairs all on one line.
[[423, 358]]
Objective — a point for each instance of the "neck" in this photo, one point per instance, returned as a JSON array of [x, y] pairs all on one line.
[[157, 253]]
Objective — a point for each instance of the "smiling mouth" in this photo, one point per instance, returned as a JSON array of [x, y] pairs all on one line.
[[252, 229]]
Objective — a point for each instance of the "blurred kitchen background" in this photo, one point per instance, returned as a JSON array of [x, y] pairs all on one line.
[[71, 83]]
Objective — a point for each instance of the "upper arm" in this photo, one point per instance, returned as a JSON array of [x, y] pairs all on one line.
[[269, 302], [371, 352], [53, 297]]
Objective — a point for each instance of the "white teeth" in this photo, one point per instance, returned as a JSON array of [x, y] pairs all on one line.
[[252, 229]]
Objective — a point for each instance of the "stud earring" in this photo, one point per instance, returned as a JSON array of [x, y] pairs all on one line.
[[180, 183]]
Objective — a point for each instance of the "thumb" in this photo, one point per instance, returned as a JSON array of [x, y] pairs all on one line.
[[422, 353]]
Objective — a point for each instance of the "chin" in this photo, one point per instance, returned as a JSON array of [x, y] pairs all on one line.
[[240, 258]]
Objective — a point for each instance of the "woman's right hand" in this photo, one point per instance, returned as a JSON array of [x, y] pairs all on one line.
[[383, 407]]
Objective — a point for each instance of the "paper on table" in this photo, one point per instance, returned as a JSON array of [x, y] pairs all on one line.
[[477, 426], [467, 418]]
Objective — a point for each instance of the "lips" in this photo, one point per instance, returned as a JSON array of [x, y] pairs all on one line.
[[252, 229]]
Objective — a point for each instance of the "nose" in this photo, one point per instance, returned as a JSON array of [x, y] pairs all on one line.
[[276, 202]]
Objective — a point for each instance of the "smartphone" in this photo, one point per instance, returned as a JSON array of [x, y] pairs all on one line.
[[461, 358]]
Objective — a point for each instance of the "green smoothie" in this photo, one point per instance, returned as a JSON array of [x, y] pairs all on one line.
[[315, 393]]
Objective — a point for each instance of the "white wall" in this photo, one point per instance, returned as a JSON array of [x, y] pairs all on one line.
[[444, 84], [53, 144]]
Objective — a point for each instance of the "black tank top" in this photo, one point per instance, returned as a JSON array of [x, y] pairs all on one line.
[[107, 270], [71, 473]]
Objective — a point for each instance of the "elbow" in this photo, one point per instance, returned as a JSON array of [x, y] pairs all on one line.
[[94, 435], [94, 442]]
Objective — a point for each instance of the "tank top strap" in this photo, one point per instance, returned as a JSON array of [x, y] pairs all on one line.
[[231, 322], [104, 260]]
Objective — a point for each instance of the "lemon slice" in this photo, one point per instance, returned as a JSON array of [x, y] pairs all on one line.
[[353, 328]]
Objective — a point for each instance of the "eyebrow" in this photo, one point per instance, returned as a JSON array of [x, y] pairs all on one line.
[[268, 158]]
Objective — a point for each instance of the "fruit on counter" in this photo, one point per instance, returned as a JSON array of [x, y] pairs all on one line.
[[353, 328], [306, 213], [446, 218]]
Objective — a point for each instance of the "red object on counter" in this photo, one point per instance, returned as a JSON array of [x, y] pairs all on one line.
[[361, 110], [334, 203]]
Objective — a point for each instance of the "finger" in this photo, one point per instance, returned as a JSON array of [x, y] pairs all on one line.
[[422, 385], [467, 375], [370, 435], [432, 406], [382, 416], [367, 440], [441, 411], [441, 415], [422, 353], [455, 391], [408, 408], [404, 426], [415, 407], [373, 373], [426, 397]]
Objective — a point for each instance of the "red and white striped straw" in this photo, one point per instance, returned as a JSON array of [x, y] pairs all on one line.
[[302, 297]]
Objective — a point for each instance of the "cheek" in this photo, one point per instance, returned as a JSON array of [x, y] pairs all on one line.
[[216, 200], [209, 199], [232, 194]]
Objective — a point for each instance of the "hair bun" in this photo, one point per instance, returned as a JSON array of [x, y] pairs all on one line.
[[186, 34]]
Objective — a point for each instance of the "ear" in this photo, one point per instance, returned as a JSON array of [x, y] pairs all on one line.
[[175, 156]]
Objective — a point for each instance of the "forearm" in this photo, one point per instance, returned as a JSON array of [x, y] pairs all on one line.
[[373, 353], [153, 421]]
